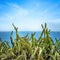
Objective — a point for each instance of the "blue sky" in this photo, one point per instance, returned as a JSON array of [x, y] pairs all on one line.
[[28, 15]]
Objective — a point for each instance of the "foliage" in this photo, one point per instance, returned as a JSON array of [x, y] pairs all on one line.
[[30, 48]]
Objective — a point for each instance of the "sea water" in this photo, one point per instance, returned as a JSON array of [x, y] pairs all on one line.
[[5, 36]]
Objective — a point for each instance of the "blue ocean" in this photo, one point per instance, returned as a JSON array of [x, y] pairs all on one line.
[[5, 36]]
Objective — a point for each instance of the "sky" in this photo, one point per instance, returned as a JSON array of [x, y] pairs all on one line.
[[28, 15]]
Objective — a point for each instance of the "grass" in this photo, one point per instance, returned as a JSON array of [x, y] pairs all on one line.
[[30, 48]]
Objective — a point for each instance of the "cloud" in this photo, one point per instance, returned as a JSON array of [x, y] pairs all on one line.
[[20, 17], [18, 11], [28, 19], [14, 15]]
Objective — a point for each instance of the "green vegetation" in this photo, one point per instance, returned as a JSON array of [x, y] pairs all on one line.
[[30, 48]]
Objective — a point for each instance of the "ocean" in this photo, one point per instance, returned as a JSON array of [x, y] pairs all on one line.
[[5, 36]]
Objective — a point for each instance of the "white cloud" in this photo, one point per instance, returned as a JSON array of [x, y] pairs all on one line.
[[54, 21], [16, 15], [26, 19], [20, 18]]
